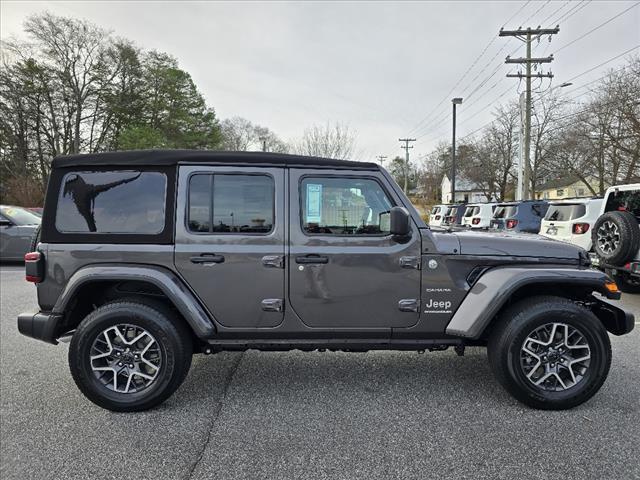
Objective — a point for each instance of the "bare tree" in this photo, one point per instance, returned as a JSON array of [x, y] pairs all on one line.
[[329, 141], [238, 134]]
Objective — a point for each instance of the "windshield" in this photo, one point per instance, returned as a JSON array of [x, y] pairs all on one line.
[[20, 216], [505, 211], [565, 212], [435, 210]]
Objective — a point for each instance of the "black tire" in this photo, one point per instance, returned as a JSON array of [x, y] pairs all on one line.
[[622, 247], [172, 336], [513, 327], [35, 239], [627, 283]]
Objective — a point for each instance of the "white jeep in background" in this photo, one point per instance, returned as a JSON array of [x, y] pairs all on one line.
[[478, 215], [572, 221], [616, 236], [437, 215]]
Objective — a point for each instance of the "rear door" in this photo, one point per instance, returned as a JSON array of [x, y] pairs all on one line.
[[230, 230], [346, 270]]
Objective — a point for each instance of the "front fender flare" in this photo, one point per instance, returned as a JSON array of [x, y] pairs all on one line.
[[165, 280], [493, 289]]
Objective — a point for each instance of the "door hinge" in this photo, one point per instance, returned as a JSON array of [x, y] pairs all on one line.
[[408, 305], [410, 262], [273, 261], [272, 304]]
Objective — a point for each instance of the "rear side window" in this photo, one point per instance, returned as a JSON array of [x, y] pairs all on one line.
[[565, 212], [112, 202], [230, 203], [505, 211]]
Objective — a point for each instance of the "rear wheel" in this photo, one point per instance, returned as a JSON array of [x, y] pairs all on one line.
[[550, 353], [130, 355]]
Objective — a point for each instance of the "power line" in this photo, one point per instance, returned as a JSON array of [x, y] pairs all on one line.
[[464, 75], [572, 11], [597, 27], [568, 80]]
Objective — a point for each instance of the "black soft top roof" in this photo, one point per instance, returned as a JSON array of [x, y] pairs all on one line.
[[174, 157]]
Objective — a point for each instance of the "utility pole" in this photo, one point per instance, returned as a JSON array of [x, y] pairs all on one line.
[[263, 139], [527, 35], [454, 102], [382, 158], [406, 162]]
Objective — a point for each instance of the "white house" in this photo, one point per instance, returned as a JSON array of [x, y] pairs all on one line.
[[466, 191]]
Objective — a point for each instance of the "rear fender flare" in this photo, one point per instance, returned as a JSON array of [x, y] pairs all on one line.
[[168, 282]]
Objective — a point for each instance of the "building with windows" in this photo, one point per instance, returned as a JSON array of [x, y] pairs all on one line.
[[466, 191], [568, 187]]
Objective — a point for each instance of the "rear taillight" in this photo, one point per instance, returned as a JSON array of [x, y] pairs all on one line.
[[580, 228], [475, 221], [512, 223], [34, 267]]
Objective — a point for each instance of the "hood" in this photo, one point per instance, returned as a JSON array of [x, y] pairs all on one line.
[[517, 245]]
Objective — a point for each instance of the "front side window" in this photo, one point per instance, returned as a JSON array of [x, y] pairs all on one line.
[[344, 206], [123, 201], [230, 203]]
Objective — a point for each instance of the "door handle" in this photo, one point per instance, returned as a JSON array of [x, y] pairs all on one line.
[[208, 258], [312, 258]]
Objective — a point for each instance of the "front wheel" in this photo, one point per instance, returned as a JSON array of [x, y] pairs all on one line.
[[131, 355], [549, 352]]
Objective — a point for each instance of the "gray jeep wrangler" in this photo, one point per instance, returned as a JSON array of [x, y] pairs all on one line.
[[147, 257]]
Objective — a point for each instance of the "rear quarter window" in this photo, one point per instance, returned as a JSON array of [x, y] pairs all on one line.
[[112, 202]]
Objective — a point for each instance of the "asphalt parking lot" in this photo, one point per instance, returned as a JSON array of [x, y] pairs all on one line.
[[310, 415]]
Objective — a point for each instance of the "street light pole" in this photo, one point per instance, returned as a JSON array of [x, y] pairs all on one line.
[[454, 102]]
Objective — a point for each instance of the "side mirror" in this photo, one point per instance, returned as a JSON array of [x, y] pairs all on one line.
[[400, 226], [5, 223]]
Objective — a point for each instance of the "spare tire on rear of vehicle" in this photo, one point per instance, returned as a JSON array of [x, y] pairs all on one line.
[[616, 237]]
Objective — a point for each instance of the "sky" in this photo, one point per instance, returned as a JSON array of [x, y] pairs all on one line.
[[386, 69]]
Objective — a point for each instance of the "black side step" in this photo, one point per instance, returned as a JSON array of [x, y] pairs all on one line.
[[350, 344]]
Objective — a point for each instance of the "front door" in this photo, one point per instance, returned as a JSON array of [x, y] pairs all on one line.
[[345, 269], [230, 242]]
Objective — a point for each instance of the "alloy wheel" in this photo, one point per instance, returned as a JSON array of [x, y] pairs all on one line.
[[608, 237], [126, 358], [555, 357]]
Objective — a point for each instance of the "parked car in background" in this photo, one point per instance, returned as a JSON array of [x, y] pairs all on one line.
[[36, 210], [524, 216], [453, 215], [572, 220], [437, 215], [616, 236], [478, 215], [17, 226]]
